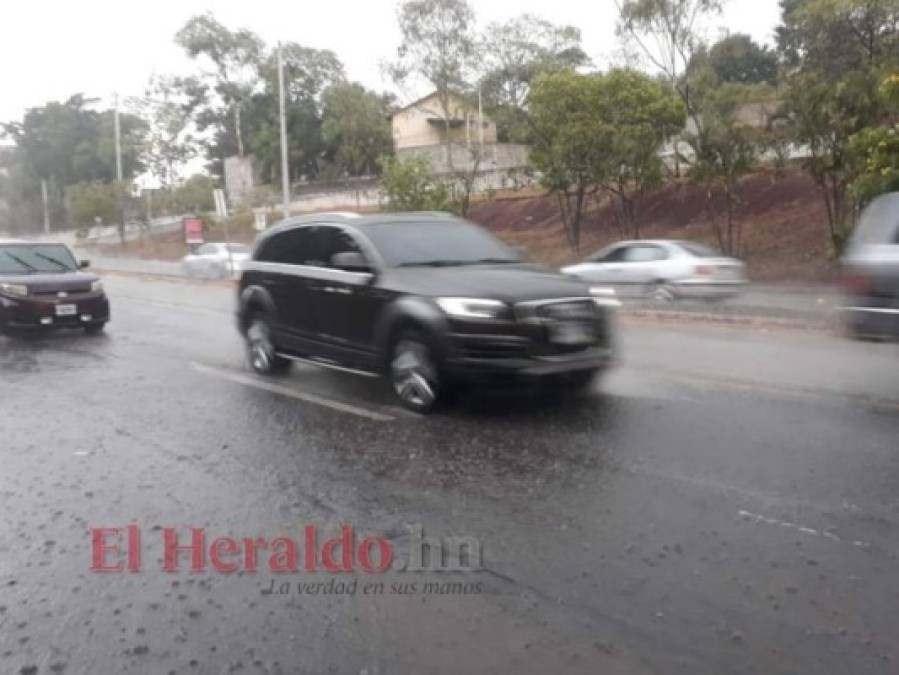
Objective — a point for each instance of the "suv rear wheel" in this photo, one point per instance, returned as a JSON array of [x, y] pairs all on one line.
[[414, 373], [261, 353]]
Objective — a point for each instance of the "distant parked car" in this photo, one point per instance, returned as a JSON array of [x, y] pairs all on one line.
[[662, 270], [871, 271], [216, 261]]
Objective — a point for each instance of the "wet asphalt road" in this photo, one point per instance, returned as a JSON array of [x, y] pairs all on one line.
[[723, 502]]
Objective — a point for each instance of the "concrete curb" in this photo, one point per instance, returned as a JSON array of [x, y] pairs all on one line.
[[823, 323]]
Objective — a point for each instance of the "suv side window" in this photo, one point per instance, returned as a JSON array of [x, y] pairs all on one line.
[[207, 249], [337, 240], [301, 246]]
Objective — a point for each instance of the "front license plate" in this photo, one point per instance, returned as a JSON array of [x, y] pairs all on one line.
[[571, 334], [66, 310]]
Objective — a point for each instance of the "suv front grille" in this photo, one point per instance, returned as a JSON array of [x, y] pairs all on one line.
[[553, 323], [493, 346], [567, 310]]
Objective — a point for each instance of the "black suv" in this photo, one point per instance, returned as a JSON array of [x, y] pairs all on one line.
[[42, 287], [425, 298]]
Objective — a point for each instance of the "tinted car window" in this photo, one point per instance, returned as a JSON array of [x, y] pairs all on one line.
[[335, 240], [207, 249], [31, 258], [302, 246], [434, 242]]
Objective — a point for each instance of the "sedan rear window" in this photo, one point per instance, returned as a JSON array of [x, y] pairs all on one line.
[[699, 250], [36, 258]]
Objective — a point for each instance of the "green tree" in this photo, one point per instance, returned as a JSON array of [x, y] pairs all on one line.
[[307, 74], [837, 51], [95, 200], [875, 150], [825, 117], [235, 57], [355, 125], [571, 141], [666, 33], [409, 185], [64, 144], [725, 152], [438, 47], [738, 58], [169, 104], [639, 114], [514, 53], [838, 37]]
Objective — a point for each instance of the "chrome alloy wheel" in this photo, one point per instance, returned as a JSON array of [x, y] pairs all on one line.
[[260, 349], [414, 375]]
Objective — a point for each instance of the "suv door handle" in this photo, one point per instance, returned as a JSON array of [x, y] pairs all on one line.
[[338, 289]]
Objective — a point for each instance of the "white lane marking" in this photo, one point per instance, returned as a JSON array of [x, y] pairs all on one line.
[[764, 499], [757, 518], [248, 381], [794, 392]]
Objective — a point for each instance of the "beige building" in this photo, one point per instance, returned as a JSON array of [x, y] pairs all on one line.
[[420, 131], [423, 123]]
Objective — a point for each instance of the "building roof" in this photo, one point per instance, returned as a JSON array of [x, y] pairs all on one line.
[[421, 100]]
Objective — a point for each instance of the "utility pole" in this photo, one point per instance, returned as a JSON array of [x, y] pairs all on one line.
[[118, 165], [46, 206], [118, 141], [285, 175]]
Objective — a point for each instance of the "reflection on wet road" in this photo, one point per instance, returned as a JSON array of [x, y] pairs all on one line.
[[723, 502]]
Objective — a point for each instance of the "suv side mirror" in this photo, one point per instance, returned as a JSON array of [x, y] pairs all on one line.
[[84, 264], [351, 261]]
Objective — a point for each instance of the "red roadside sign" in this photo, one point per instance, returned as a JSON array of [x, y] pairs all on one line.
[[193, 230]]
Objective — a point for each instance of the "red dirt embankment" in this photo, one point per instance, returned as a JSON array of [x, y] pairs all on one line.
[[785, 233]]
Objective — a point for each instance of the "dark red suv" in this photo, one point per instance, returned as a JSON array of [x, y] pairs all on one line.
[[42, 286]]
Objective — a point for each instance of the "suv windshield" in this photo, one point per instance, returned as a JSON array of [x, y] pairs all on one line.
[[438, 243], [35, 258]]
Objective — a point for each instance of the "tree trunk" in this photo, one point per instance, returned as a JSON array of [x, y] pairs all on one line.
[[238, 134]]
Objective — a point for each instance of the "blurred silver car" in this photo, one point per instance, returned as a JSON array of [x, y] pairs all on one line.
[[870, 272], [662, 270], [216, 261]]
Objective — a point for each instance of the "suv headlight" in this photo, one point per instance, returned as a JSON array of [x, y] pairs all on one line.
[[604, 296], [19, 290], [96, 287], [472, 308]]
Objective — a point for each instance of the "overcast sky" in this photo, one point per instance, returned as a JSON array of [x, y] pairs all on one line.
[[50, 50]]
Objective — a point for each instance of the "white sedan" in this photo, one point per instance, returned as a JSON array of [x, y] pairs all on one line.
[[662, 270], [216, 261]]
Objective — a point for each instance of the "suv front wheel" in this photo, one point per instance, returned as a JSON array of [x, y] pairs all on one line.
[[414, 373], [261, 353]]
